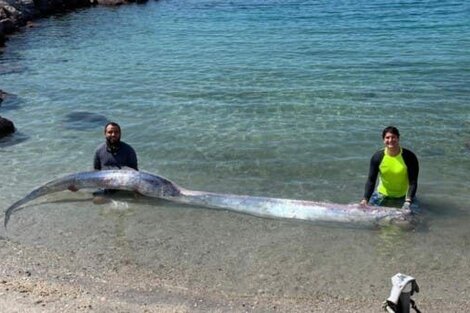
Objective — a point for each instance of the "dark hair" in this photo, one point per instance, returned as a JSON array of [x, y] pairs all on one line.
[[390, 129], [112, 124]]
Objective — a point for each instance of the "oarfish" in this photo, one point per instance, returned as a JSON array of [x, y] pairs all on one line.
[[156, 186]]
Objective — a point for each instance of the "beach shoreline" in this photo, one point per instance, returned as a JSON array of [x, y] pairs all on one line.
[[37, 279], [16, 15]]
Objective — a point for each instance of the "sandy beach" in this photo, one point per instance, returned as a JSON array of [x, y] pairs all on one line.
[[38, 278]]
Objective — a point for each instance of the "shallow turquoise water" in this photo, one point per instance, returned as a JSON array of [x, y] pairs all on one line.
[[282, 99]]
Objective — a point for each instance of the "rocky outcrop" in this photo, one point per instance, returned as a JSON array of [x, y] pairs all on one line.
[[6, 127], [47, 7], [15, 14]]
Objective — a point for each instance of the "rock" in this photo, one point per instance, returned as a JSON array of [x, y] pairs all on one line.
[[6, 127], [116, 2], [81, 120], [8, 26], [13, 15], [111, 2], [2, 36], [47, 7]]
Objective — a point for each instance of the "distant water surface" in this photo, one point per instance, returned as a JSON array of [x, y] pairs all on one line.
[[272, 98]]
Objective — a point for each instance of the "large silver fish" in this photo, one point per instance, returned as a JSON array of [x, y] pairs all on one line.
[[159, 187]]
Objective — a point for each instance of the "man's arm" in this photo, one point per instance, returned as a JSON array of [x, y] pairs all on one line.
[[97, 161]]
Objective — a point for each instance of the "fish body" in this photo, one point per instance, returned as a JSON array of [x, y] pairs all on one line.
[[303, 210], [159, 187]]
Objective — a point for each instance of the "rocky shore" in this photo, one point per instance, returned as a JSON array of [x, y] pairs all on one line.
[[15, 14], [18, 14]]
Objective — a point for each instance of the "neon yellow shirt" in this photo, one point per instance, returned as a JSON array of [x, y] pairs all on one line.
[[393, 180]]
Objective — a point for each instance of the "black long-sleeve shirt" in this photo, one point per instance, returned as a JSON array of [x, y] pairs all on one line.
[[123, 156]]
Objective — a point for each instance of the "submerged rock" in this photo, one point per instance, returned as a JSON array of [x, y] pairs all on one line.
[[3, 95], [81, 120], [11, 68], [8, 101]]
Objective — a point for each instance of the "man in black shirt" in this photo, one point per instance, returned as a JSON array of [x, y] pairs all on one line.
[[114, 153]]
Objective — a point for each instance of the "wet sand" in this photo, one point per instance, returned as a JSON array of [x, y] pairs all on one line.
[[37, 280], [49, 266]]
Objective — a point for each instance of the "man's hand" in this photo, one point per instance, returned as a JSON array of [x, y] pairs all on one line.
[[363, 203]]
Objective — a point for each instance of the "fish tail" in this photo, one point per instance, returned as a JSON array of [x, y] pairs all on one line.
[[52, 186]]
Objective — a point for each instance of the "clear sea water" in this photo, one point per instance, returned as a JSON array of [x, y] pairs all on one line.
[[268, 98]]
